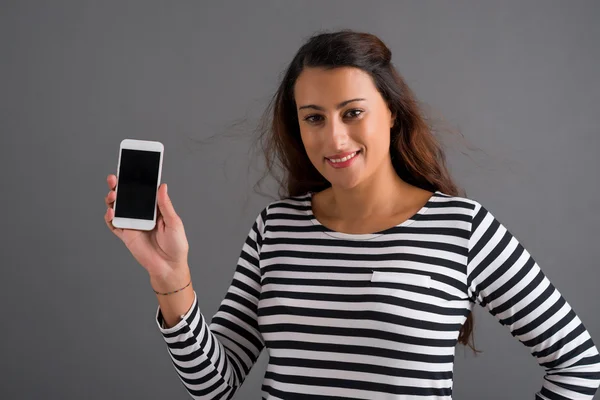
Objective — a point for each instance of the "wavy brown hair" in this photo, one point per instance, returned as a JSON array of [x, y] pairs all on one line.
[[416, 154]]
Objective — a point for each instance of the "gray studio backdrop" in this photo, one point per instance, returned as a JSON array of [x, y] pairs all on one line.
[[518, 79]]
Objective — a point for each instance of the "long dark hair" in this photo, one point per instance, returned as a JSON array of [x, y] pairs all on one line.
[[416, 154]]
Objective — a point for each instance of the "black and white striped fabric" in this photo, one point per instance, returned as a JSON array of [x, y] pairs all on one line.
[[376, 316]]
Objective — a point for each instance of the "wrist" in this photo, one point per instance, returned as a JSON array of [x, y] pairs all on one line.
[[175, 280]]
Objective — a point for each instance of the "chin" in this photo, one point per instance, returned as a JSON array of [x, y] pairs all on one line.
[[345, 184]]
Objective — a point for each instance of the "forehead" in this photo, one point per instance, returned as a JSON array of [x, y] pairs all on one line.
[[332, 86]]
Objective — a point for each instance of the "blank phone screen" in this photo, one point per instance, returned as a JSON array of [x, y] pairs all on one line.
[[137, 185]]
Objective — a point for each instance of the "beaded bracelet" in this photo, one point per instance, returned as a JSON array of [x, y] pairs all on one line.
[[175, 291]]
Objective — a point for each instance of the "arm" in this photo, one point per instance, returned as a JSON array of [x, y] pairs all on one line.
[[503, 277], [213, 360], [174, 306]]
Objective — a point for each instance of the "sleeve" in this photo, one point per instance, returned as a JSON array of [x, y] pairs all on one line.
[[504, 278], [212, 360]]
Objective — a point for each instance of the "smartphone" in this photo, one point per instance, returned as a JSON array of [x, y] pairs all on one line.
[[138, 177]]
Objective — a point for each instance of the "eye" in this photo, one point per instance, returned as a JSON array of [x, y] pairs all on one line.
[[354, 113], [314, 118]]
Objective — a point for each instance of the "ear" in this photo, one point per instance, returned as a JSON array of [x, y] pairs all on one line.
[[393, 120]]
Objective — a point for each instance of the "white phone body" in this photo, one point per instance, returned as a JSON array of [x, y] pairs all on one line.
[[139, 171]]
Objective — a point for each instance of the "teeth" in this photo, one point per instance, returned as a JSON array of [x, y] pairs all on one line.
[[337, 160]]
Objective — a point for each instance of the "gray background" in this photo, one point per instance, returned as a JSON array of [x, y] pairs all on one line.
[[518, 79]]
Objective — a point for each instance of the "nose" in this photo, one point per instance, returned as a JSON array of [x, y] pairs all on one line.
[[337, 134]]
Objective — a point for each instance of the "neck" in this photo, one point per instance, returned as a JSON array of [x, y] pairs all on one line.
[[382, 194]]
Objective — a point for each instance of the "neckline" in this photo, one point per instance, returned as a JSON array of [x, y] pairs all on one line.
[[367, 236]]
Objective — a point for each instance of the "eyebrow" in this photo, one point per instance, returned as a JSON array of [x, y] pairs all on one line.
[[342, 104]]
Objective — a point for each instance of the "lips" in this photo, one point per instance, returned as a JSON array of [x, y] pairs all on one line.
[[343, 160], [341, 155]]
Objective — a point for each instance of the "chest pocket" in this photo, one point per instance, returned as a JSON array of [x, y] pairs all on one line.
[[421, 301], [413, 287], [402, 278]]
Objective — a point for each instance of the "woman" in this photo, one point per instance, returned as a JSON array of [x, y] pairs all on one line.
[[360, 281]]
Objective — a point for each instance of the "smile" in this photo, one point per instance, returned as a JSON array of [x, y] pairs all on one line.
[[343, 159], [343, 162]]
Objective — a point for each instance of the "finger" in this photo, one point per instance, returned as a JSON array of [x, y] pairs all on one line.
[[110, 198], [112, 181], [165, 206], [160, 222], [108, 216]]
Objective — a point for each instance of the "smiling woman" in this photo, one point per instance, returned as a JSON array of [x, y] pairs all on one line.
[[331, 130], [361, 280]]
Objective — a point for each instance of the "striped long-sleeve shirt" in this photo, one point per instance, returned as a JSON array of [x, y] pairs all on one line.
[[376, 316]]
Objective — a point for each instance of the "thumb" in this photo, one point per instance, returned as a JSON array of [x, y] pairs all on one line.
[[166, 206]]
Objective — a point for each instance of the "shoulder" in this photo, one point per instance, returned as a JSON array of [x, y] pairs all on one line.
[[460, 204], [287, 207], [468, 209], [480, 218]]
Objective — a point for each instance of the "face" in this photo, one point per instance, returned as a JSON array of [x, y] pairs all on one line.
[[344, 124]]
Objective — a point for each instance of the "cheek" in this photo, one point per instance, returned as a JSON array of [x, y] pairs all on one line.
[[311, 146], [377, 136], [375, 140]]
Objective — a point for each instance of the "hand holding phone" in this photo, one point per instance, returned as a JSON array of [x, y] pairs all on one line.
[[163, 249]]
